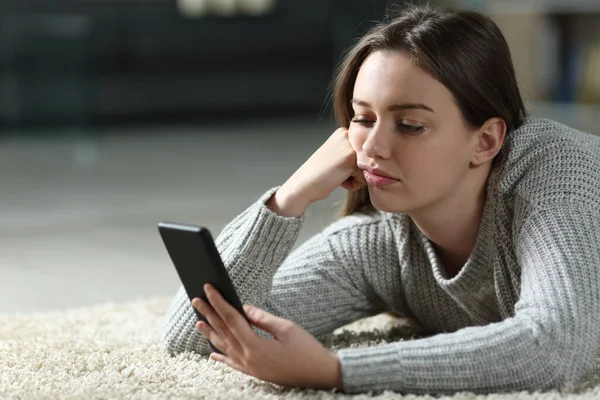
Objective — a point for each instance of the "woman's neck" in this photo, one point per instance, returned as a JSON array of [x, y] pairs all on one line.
[[453, 224]]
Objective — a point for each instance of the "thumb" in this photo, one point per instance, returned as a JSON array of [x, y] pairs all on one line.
[[264, 320], [359, 176]]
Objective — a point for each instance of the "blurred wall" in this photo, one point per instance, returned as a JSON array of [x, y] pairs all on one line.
[[95, 61], [85, 62], [555, 45]]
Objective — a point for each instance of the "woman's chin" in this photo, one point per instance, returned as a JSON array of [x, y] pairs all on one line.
[[388, 201]]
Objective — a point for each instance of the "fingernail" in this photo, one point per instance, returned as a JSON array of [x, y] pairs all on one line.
[[197, 303]]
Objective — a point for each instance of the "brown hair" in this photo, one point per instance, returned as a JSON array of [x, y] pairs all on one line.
[[463, 50]]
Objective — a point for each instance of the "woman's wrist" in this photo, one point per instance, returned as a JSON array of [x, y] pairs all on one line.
[[285, 204]]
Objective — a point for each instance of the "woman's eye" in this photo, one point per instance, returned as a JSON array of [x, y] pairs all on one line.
[[363, 121], [406, 128], [411, 129]]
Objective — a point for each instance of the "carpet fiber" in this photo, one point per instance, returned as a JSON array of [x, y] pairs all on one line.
[[112, 351]]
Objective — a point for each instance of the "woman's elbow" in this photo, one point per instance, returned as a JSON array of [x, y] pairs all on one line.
[[580, 366], [171, 343], [567, 368]]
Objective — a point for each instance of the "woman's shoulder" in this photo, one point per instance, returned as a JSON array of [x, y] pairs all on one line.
[[546, 161], [547, 137]]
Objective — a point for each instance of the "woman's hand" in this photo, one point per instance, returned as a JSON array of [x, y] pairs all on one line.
[[331, 166], [293, 358]]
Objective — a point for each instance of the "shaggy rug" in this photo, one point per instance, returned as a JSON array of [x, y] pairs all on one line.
[[113, 351]]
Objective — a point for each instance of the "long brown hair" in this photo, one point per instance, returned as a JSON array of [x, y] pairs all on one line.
[[464, 50]]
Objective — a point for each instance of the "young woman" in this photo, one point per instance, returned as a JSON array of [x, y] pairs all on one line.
[[464, 214]]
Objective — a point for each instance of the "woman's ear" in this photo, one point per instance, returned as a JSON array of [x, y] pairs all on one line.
[[489, 141]]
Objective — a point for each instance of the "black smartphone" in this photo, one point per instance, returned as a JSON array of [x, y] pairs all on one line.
[[198, 262]]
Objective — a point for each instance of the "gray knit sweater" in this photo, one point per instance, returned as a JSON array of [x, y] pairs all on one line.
[[523, 313]]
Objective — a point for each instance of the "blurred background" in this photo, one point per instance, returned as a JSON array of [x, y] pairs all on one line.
[[118, 114]]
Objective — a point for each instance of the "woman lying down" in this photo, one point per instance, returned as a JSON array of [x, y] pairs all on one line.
[[480, 223]]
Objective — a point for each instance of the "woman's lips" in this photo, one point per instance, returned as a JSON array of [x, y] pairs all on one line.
[[378, 180]]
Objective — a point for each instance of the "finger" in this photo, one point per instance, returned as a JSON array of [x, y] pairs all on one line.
[[235, 322], [351, 184], [227, 361], [215, 321], [347, 184], [357, 185], [266, 321], [359, 176], [210, 315], [212, 336]]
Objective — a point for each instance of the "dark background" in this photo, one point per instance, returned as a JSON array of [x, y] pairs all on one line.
[[90, 62]]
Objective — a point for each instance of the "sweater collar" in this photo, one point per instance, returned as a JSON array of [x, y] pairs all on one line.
[[469, 277]]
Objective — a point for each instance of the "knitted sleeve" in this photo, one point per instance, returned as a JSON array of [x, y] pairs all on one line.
[[319, 286]]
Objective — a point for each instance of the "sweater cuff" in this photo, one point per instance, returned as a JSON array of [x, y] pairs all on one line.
[[368, 368], [268, 231]]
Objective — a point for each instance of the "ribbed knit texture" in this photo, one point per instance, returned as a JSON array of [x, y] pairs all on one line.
[[523, 313]]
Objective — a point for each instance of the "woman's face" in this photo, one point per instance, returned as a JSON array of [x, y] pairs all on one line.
[[407, 126]]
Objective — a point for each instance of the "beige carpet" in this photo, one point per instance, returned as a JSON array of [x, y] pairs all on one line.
[[113, 351]]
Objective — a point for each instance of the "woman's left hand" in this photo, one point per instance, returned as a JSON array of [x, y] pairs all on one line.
[[293, 358]]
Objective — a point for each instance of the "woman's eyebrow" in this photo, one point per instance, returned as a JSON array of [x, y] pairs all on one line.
[[396, 107]]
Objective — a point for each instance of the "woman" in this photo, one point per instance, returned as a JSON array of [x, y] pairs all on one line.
[[463, 214]]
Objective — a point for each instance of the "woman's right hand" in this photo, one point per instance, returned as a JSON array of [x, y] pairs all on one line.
[[331, 166]]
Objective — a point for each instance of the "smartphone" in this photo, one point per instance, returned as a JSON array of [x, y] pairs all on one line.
[[198, 262]]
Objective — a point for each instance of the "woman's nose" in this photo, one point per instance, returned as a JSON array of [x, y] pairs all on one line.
[[378, 143]]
